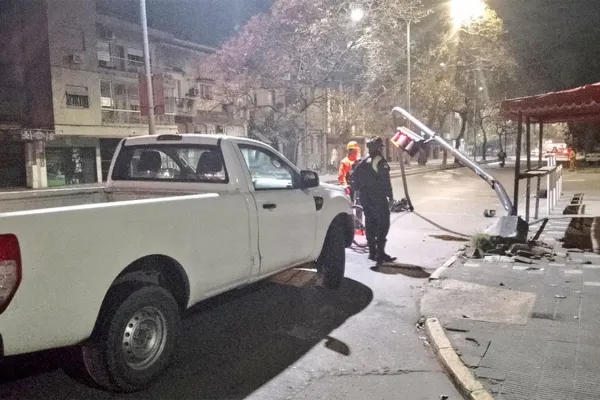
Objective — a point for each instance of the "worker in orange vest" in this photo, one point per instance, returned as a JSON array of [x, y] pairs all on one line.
[[572, 158], [346, 163], [346, 166]]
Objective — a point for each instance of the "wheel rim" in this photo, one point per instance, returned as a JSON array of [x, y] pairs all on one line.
[[144, 338]]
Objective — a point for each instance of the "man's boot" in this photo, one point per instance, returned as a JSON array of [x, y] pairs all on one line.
[[372, 252], [382, 256]]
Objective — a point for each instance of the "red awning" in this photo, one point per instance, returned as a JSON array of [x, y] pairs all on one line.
[[575, 105]]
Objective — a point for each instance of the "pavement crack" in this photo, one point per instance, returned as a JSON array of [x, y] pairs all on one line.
[[381, 372]]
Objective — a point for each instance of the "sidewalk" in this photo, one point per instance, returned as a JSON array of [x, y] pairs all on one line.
[[529, 329]]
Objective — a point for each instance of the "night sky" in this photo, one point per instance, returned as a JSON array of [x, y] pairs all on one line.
[[556, 41]]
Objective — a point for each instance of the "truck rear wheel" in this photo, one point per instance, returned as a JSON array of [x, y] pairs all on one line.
[[331, 264], [134, 339]]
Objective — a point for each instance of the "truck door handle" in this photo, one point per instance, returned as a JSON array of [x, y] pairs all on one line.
[[269, 206]]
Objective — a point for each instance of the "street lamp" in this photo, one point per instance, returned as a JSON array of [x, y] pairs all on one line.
[[465, 11], [357, 14], [148, 68]]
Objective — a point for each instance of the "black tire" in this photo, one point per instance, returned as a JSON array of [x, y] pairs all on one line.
[[331, 264], [105, 359]]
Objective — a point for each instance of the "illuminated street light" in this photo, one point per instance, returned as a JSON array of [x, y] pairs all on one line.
[[466, 11], [357, 14]]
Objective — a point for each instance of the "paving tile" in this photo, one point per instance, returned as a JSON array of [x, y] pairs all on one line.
[[573, 272], [471, 264], [519, 387], [589, 388], [568, 307], [553, 393], [470, 360], [491, 373]]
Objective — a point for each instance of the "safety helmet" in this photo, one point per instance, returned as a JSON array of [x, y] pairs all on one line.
[[352, 145], [374, 143]]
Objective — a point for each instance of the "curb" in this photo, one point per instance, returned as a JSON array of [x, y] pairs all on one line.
[[462, 377], [436, 275]]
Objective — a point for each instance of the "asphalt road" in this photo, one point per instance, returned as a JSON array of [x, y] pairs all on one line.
[[287, 339]]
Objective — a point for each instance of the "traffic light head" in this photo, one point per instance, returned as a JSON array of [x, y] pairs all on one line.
[[407, 140]]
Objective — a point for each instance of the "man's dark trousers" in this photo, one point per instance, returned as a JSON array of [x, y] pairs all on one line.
[[377, 222]]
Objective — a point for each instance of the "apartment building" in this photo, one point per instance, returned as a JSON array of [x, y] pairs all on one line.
[[70, 91]]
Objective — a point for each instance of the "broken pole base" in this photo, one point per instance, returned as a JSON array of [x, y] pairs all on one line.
[[510, 228]]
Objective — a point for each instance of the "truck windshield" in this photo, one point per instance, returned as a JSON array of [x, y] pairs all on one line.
[[177, 163]]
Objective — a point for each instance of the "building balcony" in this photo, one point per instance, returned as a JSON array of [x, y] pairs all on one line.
[[132, 117]]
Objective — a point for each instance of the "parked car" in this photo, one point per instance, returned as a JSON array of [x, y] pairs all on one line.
[[184, 218], [594, 156]]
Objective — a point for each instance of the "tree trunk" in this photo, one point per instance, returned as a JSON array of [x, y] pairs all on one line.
[[461, 135], [484, 142], [500, 141], [441, 120]]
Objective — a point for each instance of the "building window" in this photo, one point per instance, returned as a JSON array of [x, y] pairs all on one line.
[[120, 102], [170, 100], [77, 97], [205, 91], [106, 97], [135, 59], [111, 56]]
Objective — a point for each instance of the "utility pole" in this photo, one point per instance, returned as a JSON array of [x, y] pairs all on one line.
[[151, 127], [402, 155], [408, 64]]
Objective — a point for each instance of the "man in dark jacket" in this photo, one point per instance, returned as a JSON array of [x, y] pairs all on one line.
[[375, 187]]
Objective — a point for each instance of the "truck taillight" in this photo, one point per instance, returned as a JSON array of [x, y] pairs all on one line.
[[10, 269]]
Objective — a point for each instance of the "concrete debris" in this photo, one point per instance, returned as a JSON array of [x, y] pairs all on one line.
[[534, 269], [476, 253], [523, 260], [519, 247], [527, 254], [498, 251], [506, 259]]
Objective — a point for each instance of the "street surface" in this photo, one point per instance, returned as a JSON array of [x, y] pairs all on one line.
[[287, 339]]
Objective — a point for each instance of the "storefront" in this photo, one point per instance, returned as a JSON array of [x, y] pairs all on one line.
[[72, 160], [12, 161]]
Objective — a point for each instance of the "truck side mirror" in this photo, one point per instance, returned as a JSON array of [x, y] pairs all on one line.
[[308, 179]]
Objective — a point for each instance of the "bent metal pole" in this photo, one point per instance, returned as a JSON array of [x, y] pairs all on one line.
[[493, 182]]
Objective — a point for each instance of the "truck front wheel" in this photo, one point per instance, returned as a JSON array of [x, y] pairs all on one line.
[[331, 264], [134, 339]]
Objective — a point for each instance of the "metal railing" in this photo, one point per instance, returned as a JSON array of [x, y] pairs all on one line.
[[554, 181], [132, 117]]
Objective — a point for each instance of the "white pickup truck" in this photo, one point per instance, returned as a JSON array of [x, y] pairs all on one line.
[[185, 217]]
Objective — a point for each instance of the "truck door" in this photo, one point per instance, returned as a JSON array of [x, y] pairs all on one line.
[[286, 214]]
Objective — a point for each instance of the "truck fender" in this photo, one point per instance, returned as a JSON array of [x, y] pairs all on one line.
[[157, 269]]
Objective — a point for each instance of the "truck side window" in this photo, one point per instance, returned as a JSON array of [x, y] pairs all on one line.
[[267, 169], [176, 163]]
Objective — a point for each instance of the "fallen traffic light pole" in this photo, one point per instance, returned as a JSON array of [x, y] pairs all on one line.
[[410, 142]]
